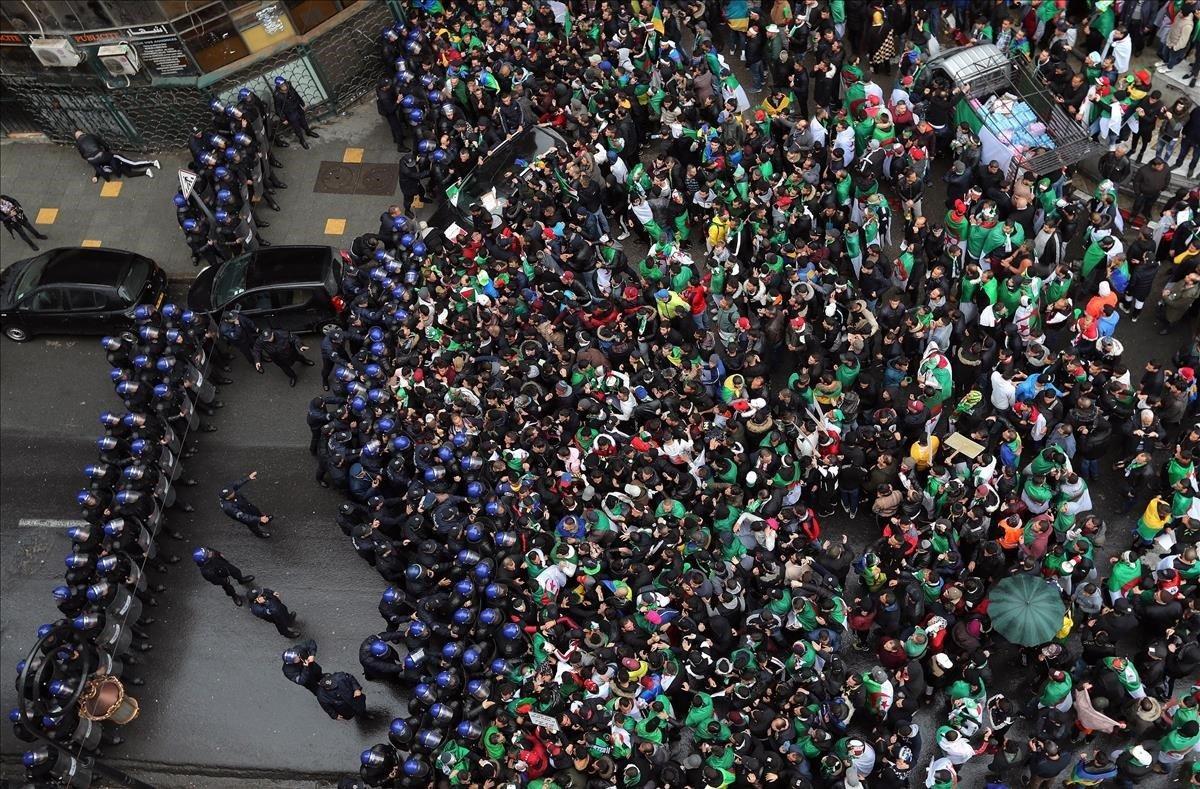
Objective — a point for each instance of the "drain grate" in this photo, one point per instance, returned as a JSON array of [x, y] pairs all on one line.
[[340, 178]]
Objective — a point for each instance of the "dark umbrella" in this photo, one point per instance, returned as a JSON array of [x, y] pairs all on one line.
[[1026, 609]]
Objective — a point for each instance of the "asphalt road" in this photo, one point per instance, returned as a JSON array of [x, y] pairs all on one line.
[[214, 699]]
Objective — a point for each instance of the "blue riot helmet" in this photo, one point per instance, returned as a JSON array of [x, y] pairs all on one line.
[[468, 557], [434, 473], [343, 373], [116, 527], [413, 572], [407, 239], [505, 539], [174, 335], [375, 756], [208, 158], [452, 650], [400, 733], [242, 139], [162, 391], [216, 141], [379, 648], [232, 153], [106, 564], [98, 591], [201, 555], [410, 277], [110, 343], [80, 533], [190, 225], [142, 361], [447, 680], [493, 508], [442, 713], [106, 443], [417, 629], [279, 81], [475, 490], [464, 587], [86, 622], [378, 275], [429, 738], [391, 595], [511, 631], [411, 663], [358, 404], [179, 200], [462, 616], [460, 439], [445, 454], [399, 222], [499, 666], [471, 657], [415, 767], [380, 255], [483, 572], [495, 591], [490, 616], [419, 248], [378, 396], [425, 693], [133, 472], [386, 425], [61, 592], [139, 447], [224, 196], [426, 146], [216, 106], [401, 443], [375, 334], [416, 115], [143, 313], [222, 215], [438, 156], [469, 730], [86, 498], [221, 172], [95, 470], [474, 532], [479, 689], [165, 364], [408, 101], [243, 94], [473, 463]]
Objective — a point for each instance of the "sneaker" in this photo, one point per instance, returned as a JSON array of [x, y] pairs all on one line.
[[1162, 69], [156, 164], [149, 173], [1133, 319], [624, 234]]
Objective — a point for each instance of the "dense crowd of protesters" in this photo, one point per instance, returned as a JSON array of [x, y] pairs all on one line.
[[595, 483]]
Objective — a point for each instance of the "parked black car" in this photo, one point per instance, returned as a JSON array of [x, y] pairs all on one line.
[[293, 287], [77, 290]]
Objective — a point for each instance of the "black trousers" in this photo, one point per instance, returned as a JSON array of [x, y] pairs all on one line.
[[19, 226]]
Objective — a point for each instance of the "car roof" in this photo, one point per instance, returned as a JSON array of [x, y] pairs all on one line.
[[81, 266], [287, 265]]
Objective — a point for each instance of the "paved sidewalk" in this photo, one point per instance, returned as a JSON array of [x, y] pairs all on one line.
[[54, 185]]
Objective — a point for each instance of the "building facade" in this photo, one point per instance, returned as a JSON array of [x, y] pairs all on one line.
[[142, 72]]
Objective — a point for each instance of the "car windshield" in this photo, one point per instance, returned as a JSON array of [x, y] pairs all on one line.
[[230, 281], [30, 277], [500, 170], [134, 280]]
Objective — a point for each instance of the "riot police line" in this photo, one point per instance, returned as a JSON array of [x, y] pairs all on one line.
[[72, 686]]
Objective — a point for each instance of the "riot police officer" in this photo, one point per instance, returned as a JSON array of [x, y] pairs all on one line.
[[300, 666], [238, 507], [267, 606], [290, 107], [340, 695], [218, 571]]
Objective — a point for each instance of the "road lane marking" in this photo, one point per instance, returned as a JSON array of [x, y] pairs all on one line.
[[335, 227], [352, 156], [48, 523], [111, 189], [46, 216], [89, 242]]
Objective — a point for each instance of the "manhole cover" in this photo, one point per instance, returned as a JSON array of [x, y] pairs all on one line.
[[378, 179], [337, 178]]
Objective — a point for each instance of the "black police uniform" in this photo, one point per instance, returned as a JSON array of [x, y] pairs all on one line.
[[272, 609], [282, 348], [335, 694], [241, 509], [218, 571]]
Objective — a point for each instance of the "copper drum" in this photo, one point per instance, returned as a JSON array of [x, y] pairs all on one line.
[[104, 699]]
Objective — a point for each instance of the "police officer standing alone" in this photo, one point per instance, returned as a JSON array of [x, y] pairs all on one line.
[[238, 507], [300, 666], [290, 107], [340, 695], [218, 571], [281, 347], [267, 606]]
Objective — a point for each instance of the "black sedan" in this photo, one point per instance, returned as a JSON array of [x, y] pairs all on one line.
[[77, 290], [293, 288]]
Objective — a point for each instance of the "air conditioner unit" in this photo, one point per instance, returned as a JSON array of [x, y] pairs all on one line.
[[56, 52], [121, 60]]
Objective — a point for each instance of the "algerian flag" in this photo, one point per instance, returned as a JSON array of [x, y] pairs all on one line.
[[562, 15]]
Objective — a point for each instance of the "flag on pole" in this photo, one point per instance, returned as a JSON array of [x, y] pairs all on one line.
[[656, 20]]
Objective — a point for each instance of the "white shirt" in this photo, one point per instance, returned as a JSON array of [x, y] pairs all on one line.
[[1004, 393]]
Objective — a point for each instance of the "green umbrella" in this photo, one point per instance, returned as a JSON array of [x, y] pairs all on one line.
[[1026, 610]]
